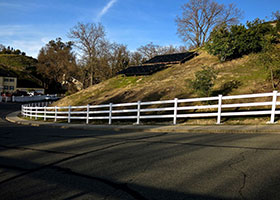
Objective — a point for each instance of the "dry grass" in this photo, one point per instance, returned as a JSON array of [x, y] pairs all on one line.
[[171, 83]]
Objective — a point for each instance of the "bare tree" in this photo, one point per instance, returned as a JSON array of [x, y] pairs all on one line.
[[90, 39], [199, 17], [119, 58], [149, 50], [136, 58], [171, 49]]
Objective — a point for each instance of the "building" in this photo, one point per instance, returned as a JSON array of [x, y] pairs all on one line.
[[8, 81]]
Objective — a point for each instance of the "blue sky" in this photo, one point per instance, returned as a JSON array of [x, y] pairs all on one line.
[[29, 24]]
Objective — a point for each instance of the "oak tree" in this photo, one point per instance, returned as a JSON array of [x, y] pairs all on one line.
[[56, 63], [199, 17]]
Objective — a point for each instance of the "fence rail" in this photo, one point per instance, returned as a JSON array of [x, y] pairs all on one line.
[[169, 109]]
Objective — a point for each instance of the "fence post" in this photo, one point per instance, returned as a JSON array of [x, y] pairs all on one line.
[[273, 107], [69, 114], [23, 110], [30, 111], [175, 111], [87, 114], [138, 112], [45, 114], [55, 113], [36, 113], [110, 113], [219, 109]]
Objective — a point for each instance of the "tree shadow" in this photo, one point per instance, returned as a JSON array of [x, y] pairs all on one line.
[[227, 88], [70, 184]]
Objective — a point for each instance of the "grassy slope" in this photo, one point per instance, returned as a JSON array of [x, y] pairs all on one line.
[[171, 83], [17, 62], [21, 65]]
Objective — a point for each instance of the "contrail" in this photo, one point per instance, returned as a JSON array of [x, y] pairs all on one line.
[[106, 8]]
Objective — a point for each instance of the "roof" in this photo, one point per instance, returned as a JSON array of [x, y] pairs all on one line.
[[171, 58], [142, 70]]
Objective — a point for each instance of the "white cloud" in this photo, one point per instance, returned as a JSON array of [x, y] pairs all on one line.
[[105, 9]]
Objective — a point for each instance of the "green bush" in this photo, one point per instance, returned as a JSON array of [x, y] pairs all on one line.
[[233, 42], [204, 81], [270, 59]]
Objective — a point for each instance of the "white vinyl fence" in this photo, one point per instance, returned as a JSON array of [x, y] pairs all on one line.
[[220, 106]]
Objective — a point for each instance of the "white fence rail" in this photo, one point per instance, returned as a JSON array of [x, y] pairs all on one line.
[[220, 106]]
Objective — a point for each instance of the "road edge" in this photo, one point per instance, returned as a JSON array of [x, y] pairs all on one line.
[[229, 129]]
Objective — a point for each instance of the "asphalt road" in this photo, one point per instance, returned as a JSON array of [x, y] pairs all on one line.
[[49, 163]]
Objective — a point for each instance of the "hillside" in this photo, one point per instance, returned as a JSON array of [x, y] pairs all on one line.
[[17, 62], [172, 82], [23, 67]]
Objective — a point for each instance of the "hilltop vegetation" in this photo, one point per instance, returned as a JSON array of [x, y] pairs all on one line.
[[17, 62]]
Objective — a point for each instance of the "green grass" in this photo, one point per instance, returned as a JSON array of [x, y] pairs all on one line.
[[122, 81], [17, 62]]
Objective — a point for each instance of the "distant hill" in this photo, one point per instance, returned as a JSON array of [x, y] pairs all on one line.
[[17, 62], [24, 67]]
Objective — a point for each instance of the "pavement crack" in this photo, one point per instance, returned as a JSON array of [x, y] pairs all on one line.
[[244, 176], [148, 137], [113, 138]]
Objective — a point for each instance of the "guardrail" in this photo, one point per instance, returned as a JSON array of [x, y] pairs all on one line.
[[219, 106]]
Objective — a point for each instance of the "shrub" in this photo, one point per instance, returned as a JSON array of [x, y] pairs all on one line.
[[233, 42], [204, 81], [270, 59]]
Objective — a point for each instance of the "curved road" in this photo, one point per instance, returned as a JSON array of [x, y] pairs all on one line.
[[49, 163]]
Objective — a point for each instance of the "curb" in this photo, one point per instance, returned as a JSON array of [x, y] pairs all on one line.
[[223, 129]]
